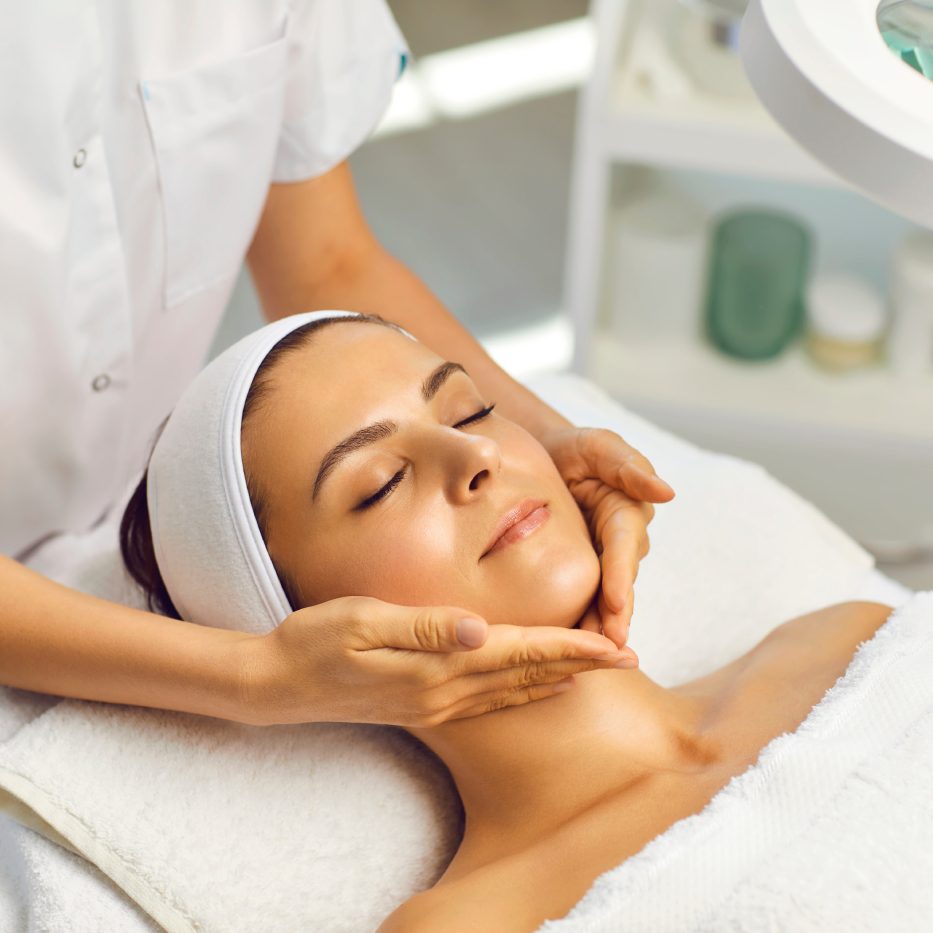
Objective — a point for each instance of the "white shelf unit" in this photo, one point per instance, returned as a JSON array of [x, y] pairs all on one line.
[[871, 428], [869, 402]]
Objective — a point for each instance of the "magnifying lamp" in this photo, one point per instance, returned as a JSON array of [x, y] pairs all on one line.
[[850, 80]]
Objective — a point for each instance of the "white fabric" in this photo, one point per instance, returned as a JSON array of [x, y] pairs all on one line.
[[832, 829], [330, 827], [139, 141], [207, 542], [47, 889]]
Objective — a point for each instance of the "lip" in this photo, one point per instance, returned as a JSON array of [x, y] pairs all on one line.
[[518, 523]]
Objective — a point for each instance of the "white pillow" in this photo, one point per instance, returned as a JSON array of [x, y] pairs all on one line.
[[217, 826]]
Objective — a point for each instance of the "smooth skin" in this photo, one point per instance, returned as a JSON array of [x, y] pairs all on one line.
[[558, 793], [554, 793], [314, 250], [429, 463]]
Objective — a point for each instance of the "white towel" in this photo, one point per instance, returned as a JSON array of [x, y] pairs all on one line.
[[214, 826], [832, 828], [47, 889]]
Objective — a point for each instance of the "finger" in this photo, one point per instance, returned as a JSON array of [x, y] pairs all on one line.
[[500, 699], [498, 702], [377, 624], [627, 614], [621, 466], [493, 682], [616, 624], [591, 621], [624, 538], [637, 482], [511, 646]]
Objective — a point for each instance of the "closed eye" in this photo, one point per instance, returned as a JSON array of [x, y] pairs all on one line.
[[400, 475], [484, 413], [382, 493]]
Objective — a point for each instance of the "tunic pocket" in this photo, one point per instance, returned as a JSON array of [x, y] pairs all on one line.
[[215, 130]]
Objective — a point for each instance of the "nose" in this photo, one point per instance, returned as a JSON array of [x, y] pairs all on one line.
[[473, 462]]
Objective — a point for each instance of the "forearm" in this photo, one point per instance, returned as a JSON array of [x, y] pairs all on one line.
[[56, 640], [372, 280]]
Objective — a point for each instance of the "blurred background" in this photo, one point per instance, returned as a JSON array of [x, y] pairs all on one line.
[[627, 207]]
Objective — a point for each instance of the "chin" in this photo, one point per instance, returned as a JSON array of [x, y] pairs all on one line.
[[557, 595], [571, 591]]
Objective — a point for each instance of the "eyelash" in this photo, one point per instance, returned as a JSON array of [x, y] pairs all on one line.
[[390, 486]]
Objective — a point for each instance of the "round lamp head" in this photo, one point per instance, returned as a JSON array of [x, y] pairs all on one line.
[[907, 27], [846, 79]]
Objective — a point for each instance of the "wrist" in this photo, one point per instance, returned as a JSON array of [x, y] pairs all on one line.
[[269, 687], [250, 684]]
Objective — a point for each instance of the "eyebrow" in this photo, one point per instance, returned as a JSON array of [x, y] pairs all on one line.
[[380, 430], [432, 385]]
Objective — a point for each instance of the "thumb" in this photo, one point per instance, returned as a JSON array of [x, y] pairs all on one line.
[[442, 628], [425, 628]]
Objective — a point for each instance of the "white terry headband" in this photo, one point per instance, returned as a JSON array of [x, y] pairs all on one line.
[[207, 542]]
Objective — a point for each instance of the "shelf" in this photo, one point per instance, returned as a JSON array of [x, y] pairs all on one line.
[[859, 445], [789, 391], [686, 128], [709, 138]]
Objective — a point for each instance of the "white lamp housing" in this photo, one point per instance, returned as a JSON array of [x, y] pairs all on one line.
[[823, 70]]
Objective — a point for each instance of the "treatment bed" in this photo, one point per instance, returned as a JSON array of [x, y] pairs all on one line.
[[120, 818]]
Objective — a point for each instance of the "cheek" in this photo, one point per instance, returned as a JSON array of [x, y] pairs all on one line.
[[403, 557], [523, 456], [423, 556]]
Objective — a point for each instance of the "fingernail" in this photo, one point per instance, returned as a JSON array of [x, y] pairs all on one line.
[[562, 686], [612, 656], [626, 663], [471, 633]]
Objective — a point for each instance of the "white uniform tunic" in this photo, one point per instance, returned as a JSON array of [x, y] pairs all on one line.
[[137, 143]]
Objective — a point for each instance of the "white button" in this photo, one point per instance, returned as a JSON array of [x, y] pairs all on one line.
[[80, 158], [100, 382]]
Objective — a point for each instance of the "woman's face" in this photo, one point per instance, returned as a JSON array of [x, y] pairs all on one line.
[[384, 476]]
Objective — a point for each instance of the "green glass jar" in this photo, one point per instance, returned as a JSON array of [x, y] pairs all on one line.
[[760, 261]]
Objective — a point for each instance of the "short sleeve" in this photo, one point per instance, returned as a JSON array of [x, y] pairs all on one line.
[[344, 57]]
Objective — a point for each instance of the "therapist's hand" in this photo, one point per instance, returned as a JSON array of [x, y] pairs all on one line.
[[614, 485], [363, 660]]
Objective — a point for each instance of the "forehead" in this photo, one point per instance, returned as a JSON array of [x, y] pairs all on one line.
[[346, 375], [352, 357]]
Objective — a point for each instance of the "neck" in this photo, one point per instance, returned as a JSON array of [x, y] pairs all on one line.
[[524, 770]]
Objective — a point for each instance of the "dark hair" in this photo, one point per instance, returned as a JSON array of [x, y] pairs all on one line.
[[135, 528]]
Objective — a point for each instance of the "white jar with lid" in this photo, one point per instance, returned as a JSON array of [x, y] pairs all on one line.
[[846, 322], [910, 345]]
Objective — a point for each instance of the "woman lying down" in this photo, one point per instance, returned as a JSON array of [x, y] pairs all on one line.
[[437, 499]]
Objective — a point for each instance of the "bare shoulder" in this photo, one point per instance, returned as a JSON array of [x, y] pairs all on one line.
[[845, 623], [830, 634], [438, 910], [410, 917], [499, 895], [819, 645]]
